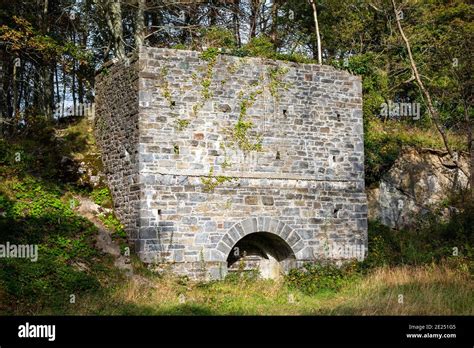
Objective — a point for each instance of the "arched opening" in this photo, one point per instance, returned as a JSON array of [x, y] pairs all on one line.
[[262, 251]]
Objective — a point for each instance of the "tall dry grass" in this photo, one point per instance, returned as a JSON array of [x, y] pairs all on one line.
[[409, 290], [426, 290]]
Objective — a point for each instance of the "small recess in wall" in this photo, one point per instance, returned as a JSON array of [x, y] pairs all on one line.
[[278, 156], [338, 118], [334, 213], [334, 158], [176, 150], [173, 104], [285, 112], [159, 211]]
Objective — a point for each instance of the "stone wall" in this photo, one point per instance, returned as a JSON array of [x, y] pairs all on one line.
[[228, 147], [116, 129]]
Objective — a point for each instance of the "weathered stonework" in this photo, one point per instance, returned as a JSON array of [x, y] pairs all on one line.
[[192, 193]]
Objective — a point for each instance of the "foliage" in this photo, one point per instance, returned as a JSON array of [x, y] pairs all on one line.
[[112, 223], [210, 54], [211, 181], [37, 206], [314, 278], [429, 241], [102, 197], [260, 46], [240, 133], [35, 212], [23, 37], [182, 124], [165, 89], [217, 37], [385, 140], [276, 75], [240, 278]]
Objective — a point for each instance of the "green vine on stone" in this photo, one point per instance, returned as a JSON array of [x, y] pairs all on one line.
[[206, 93], [210, 56], [275, 75], [165, 89], [227, 163], [212, 181], [243, 126], [182, 124]]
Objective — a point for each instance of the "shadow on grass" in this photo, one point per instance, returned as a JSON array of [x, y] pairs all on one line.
[[37, 151], [177, 310]]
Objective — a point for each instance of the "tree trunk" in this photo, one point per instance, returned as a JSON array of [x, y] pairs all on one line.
[[212, 13], [236, 22], [470, 147], [140, 24], [58, 96], [254, 6], [273, 30], [15, 92], [434, 116], [114, 22], [46, 76], [316, 26]]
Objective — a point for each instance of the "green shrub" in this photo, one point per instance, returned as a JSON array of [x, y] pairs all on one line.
[[260, 46], [313, 278], [39, 212], [111, 222], [218, 37], [102, 197], [242, 277], [430, 240]]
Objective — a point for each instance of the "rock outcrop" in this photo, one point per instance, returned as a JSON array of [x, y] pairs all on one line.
[[420, 181]]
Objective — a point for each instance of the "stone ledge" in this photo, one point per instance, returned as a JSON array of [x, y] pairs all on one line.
[[240, 175]]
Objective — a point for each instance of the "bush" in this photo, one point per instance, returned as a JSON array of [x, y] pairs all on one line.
[[102, 197], [218, 37], [429, 241], [112, 223], [260, 46], [313, 278]]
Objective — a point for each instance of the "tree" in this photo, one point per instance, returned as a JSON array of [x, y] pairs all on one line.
[[433, 112], [140, 24], [112, 10], [316, 29]]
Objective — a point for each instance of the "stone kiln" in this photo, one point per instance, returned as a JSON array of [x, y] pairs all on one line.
[[212, 159]]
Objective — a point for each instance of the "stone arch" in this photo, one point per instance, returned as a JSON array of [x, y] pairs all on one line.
[[259, 224]]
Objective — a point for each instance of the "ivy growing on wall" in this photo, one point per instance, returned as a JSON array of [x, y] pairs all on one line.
[[165, 89], [211, 181], [275, 76], [210, 55], [239, 135]]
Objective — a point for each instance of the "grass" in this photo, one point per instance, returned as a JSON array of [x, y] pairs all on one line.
[[385, 140], [427, 290], [412, 135]]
